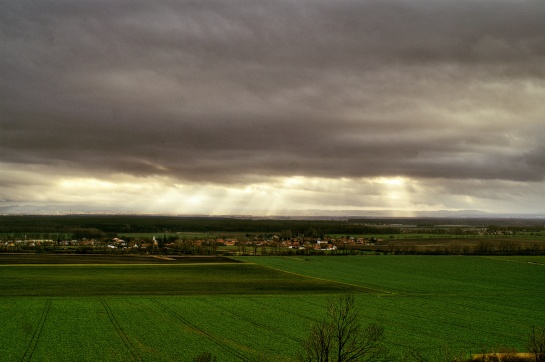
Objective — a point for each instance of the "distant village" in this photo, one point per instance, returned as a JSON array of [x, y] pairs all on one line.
[[167, 245], [461, 242]]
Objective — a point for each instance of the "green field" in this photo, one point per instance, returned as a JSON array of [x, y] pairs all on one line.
[[79, 308]]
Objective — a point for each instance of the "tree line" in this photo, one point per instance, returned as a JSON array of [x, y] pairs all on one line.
[[110, 224], [160, 224]]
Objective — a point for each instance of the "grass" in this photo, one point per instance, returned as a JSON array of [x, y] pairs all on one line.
[[259, 309], [152, 279], [90, 259], [465, 303], [421, 274]]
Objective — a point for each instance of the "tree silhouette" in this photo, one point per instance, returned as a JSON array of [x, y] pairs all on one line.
[[340, 336]]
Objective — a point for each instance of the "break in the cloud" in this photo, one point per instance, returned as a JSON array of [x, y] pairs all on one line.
[[210, 107]]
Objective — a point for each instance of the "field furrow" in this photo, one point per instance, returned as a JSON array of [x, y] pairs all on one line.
[[245, 311], [37, 332], [246, 315], [124, 338], [221, 342]]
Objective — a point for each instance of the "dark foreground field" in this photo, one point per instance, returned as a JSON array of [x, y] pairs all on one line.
[[89, 276], [259, 308]]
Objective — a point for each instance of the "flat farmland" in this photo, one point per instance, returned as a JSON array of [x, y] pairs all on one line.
[[258, 308], [91, 259], [152, 276], [469, 304]]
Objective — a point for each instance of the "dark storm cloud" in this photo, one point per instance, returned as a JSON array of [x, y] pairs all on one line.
[[231, 91]]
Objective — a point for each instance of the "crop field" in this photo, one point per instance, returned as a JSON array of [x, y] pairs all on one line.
[[258, 308], [67, 259], [464, 303]]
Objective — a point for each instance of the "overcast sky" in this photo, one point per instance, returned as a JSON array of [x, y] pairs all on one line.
[[231, 106]]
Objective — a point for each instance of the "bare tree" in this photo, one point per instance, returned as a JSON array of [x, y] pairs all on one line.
[[536, 343], [205, 357], [317, 347], [341, 337]]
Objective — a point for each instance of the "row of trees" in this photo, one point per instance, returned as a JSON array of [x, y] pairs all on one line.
[[111, 224], [158, 224], [480, 247]]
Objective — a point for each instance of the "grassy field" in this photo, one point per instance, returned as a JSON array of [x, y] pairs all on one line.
[[465, 303], [67, 259], [150, 309], [155, 276]]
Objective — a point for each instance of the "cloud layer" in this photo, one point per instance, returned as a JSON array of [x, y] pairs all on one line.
[[446, 95]]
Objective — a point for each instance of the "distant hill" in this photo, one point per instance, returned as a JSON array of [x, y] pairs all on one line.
[[55, 209], [290, 214]]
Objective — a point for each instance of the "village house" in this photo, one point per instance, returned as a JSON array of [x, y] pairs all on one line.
[[231, 242]]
